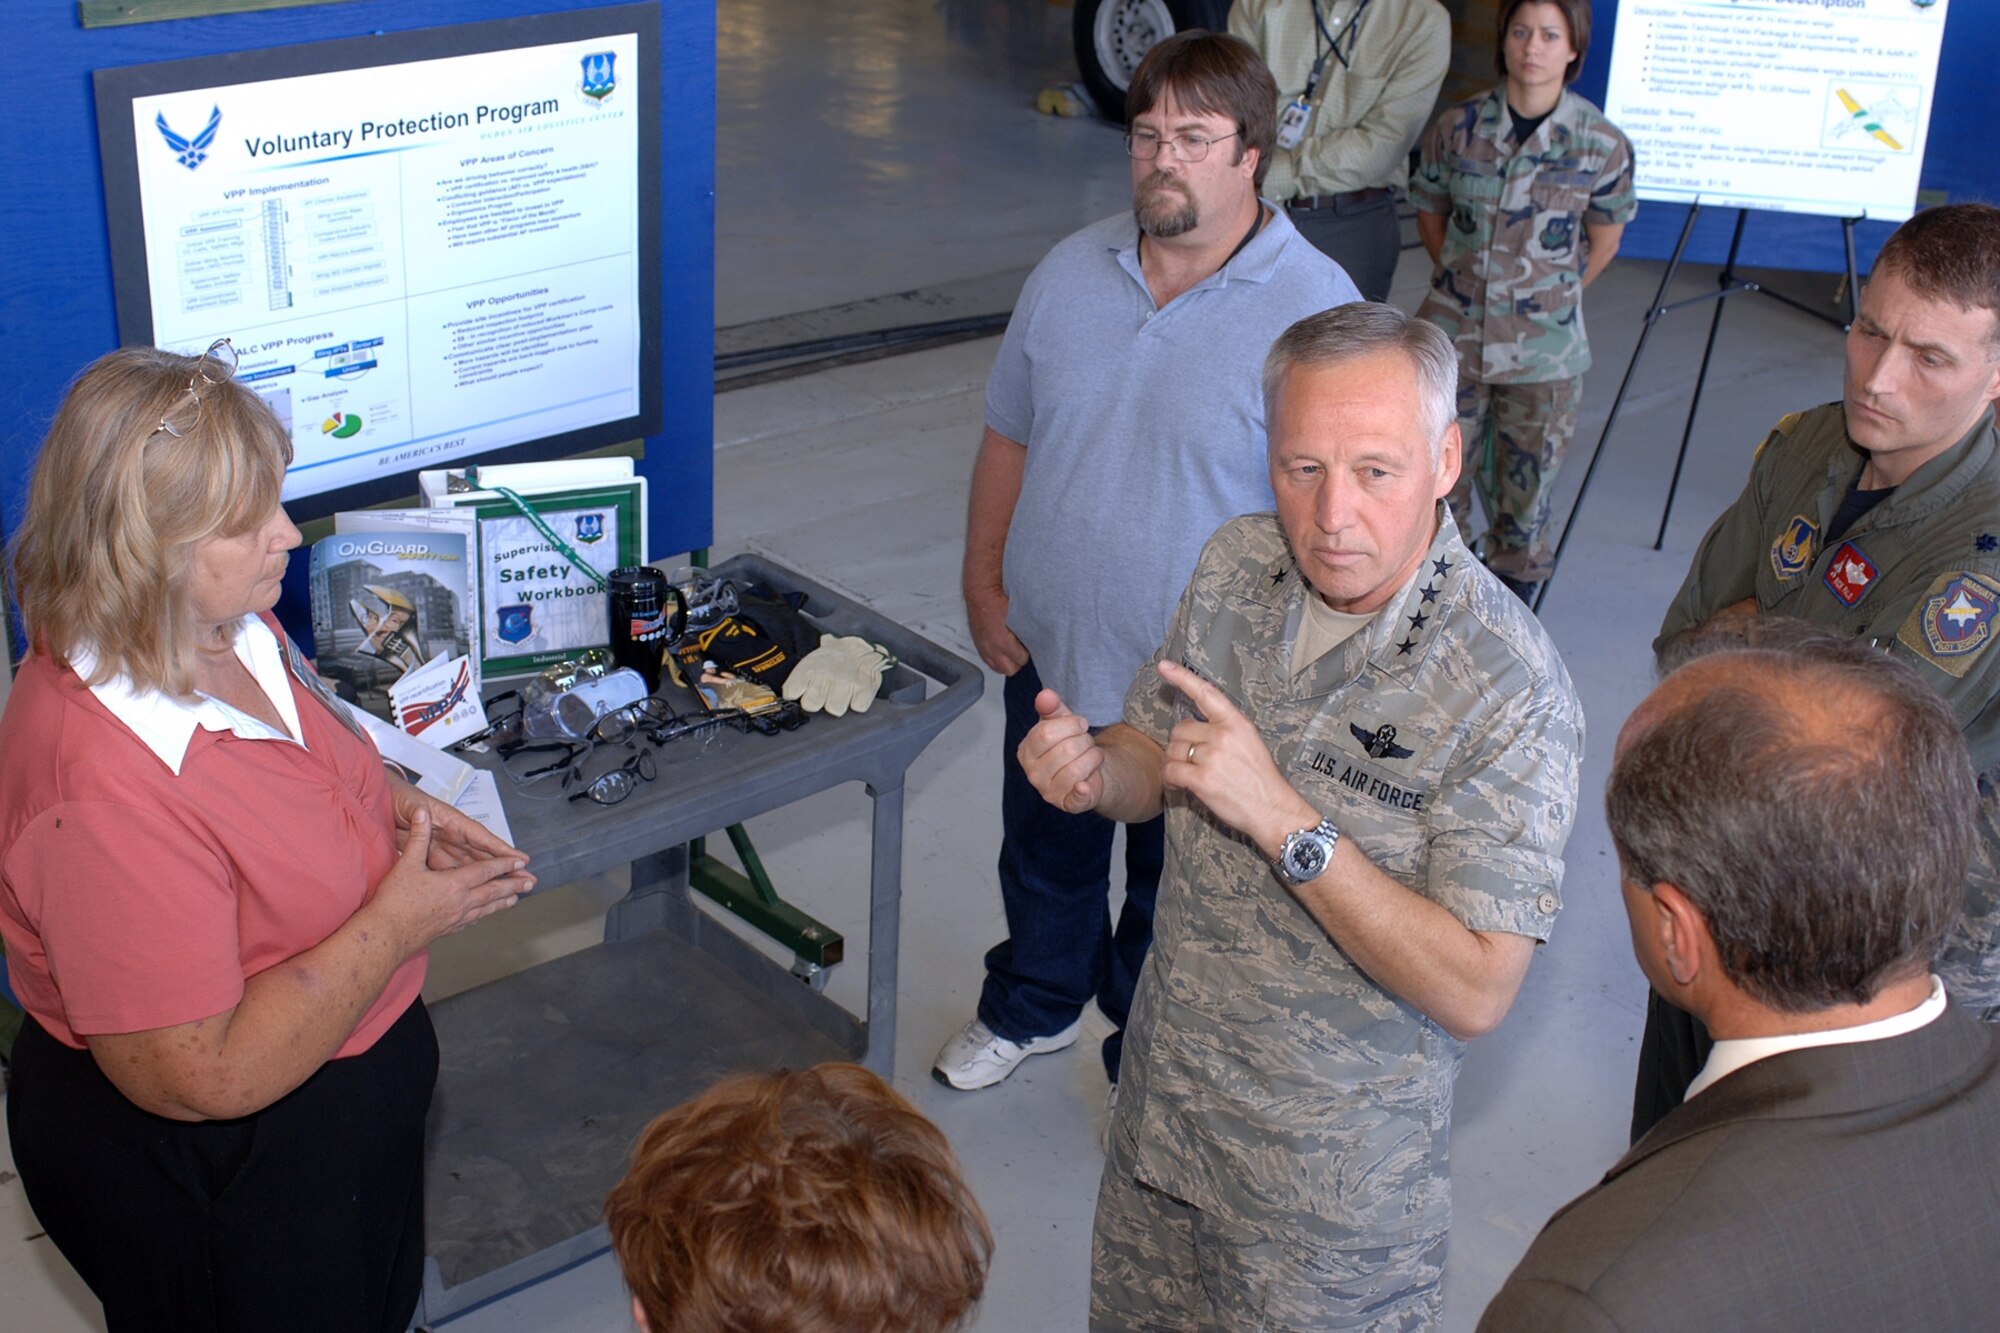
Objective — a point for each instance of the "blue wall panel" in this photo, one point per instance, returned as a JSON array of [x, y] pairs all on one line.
[[56, 310]]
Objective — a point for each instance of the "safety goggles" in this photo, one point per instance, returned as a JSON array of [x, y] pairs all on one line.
[[609, 788], [567, 675], [620, 725], [529, 762]]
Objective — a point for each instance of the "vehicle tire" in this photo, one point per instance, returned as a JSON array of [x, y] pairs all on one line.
[[1113, 36]]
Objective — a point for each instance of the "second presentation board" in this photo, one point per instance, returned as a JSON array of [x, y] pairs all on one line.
[[1801, 106]]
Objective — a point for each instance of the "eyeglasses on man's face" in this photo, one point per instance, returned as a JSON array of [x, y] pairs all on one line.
[[1145, 145], [215, 366]]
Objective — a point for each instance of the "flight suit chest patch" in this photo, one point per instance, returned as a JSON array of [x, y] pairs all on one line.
[[1851, 574]]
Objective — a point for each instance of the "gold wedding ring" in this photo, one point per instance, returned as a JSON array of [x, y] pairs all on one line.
[[1190, 753]]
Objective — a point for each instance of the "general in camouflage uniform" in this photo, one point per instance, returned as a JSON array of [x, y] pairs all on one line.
[[1919, 576], [1270, 1085], [1366, 753], [1508, 288]]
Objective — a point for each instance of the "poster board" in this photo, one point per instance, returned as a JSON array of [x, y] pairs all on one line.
[[432, 249], [1797, 106]]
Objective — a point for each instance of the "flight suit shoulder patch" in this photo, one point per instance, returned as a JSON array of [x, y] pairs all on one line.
[[1953, 622], [1792, 553]]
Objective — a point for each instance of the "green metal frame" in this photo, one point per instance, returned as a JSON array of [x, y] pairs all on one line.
[[749, 894]]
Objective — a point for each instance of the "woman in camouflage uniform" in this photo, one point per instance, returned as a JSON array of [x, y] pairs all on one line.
[[1521, 198]]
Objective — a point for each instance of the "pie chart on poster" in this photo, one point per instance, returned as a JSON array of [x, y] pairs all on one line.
[[341, 425]]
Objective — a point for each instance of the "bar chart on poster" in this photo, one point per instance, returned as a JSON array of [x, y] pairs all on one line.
[[1800, 106], [417, 261]]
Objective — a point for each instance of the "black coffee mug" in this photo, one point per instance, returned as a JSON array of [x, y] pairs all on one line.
[[648, 616]]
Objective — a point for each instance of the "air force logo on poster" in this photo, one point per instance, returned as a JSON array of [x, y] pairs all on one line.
[[599, 79], [192, 152]]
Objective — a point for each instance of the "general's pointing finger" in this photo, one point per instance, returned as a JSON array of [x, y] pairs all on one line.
[[1212, 702]]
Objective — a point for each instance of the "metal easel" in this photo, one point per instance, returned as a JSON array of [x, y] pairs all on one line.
[[1728, 284]]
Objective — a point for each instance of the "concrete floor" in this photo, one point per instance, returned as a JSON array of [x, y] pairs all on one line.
[[879, 147]]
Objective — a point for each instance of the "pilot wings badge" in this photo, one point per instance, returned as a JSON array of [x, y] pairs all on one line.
[[192, 152], [1381, 742]]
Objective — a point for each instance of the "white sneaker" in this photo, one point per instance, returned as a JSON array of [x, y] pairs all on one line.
[[975, 1058]]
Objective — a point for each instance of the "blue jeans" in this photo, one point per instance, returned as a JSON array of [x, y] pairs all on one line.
[[1055, 882]]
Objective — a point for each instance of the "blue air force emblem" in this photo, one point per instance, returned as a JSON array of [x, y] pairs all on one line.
[[589, 528], [1559, 233], [1792, 553], [599, 80], [516, 623], [192, 152]]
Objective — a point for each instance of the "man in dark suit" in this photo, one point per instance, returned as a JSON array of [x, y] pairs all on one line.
[[1793, 821]]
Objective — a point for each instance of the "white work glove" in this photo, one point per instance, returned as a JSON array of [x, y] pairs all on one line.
[[842, 673]]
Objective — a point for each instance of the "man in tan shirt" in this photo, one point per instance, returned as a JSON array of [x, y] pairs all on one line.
[[1357, 80]]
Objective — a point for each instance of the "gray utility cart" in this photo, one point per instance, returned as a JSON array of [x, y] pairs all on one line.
[[549, 1075]]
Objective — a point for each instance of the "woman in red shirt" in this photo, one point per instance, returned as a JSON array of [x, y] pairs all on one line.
[[216, 903]]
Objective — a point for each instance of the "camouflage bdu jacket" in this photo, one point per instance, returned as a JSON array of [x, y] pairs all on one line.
[[1509, 281], [1267, 1080], [1918, 575]]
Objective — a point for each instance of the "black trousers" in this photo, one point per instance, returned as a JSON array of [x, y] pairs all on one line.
[[1366, 239], [306, 1217], [1672, 1052]]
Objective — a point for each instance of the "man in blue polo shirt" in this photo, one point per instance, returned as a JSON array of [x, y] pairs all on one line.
[[1124, 424]]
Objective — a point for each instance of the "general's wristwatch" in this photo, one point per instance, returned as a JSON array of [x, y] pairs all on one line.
[[1307, 852]]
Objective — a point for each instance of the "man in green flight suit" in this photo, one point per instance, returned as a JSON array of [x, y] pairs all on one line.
[[1879, 516]]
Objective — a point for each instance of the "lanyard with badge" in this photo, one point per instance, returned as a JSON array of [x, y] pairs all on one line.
[[318, 689], [1292, 120]]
